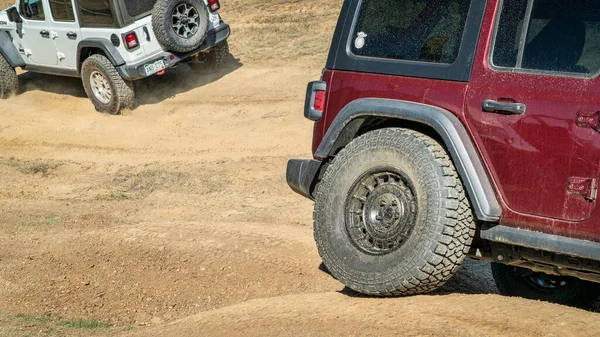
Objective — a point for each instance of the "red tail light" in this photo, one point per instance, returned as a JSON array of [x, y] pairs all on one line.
[[131, 41], [214, 5], [314, 106], [319, 104]]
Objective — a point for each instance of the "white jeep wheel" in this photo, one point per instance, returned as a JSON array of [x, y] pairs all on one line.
[[105, 87]]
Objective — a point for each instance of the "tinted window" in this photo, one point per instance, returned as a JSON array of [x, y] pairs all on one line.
[[136, 8], [62, 10], [414, 30], [95, 12], [560, 36], [510, 29], [32, 10]]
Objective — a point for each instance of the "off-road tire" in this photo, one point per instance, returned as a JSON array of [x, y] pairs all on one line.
[[122, 92], [163, 25], [510, 281], [217, 57], [442, 232], [9, 83]]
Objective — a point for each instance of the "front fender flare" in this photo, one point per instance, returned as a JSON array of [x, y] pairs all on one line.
[[9, 51], [453, 133]]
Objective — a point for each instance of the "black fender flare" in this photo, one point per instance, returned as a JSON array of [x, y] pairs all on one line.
[[9, 51], [103, 44], [453, 133]]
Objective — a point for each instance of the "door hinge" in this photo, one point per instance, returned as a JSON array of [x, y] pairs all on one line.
[[587, 119], [54, 35], [61, 56], [586, 187]]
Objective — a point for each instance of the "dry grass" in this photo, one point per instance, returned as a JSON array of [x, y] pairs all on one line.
[[281, 30], [30, 166]]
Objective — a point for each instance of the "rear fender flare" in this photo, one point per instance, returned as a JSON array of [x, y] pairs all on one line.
[[109, 50], [449, 128]]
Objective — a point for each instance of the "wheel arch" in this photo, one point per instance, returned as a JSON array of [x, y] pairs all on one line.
[[92, 46], [9, 51], [367, 114]]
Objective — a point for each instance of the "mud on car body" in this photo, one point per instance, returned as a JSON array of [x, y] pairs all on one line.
[[109, 44], [447, 129]]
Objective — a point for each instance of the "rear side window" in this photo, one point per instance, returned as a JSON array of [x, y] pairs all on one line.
[[549, 35], [62, 10], [136, 8], [411, 30], [95, 12]]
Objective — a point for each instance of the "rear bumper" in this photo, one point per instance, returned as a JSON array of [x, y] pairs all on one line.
[[132, 72], [302, 175]]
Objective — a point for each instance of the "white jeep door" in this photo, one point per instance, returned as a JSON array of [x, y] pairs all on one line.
[[35, 40], [65, 28]]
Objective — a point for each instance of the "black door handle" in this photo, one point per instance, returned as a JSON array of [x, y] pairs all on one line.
[[45, 33], [504, 107], [72, 35]]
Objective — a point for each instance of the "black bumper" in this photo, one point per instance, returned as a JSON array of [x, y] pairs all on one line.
[[132, 72], [302, 174]]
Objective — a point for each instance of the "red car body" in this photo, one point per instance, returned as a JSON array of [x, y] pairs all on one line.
[[543, 165]]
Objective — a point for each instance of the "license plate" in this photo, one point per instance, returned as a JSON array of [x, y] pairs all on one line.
[[154, 67]]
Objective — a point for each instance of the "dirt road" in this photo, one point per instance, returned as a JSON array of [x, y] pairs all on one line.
[[175, 220]]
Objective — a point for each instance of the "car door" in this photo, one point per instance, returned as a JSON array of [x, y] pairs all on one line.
[[66, 29], [533, 107], [34, 38]]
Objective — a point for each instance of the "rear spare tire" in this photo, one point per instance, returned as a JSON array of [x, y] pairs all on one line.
[[391, 215], [180, 25]]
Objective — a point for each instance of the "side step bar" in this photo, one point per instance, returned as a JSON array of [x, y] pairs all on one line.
[[542, 241]]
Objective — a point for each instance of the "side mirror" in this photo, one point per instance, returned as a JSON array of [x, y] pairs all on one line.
[[13, 15]]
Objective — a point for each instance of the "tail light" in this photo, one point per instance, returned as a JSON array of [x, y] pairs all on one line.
[[131, 41], [315, 100], [214, 5]]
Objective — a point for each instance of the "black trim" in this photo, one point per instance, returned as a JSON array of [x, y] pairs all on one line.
[[301, 174], [53, 71], [132, 72], [9, 51], [451, 130], [542, 241], [342, 59], [103, 44]]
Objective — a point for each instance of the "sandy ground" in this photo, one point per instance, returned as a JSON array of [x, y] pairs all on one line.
[[175, 220]]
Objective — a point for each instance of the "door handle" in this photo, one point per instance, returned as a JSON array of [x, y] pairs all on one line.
[[72, 35], [504, 107], [45, 33]]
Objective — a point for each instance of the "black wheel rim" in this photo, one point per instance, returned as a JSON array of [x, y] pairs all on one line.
[[381, 211], [185, 20]]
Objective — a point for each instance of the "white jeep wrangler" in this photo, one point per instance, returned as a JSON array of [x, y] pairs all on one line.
[[109, 43]]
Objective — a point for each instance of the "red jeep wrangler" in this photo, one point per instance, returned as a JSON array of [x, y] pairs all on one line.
[[454, 128]]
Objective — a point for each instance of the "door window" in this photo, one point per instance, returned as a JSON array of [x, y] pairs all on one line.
[[412, 30], [33, 10], [62, 10], [558, 36]]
